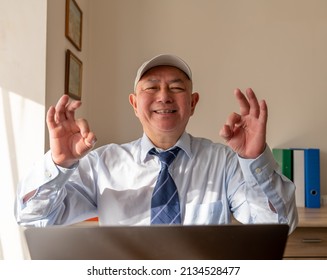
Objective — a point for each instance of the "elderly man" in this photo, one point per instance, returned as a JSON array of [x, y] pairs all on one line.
[[167, 176]]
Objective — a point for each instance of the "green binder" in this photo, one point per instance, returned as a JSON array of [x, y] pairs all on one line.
[[284, 158]]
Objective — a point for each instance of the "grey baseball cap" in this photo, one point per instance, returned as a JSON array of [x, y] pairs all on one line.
[[160, 60]]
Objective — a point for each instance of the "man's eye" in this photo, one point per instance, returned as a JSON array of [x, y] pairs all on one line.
[[177, 89], [150, 88]]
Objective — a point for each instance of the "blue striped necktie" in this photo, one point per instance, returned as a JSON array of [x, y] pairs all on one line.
[[165, 207]]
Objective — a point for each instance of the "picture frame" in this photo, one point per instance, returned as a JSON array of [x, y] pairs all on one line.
[[73, 76], [74, 23]]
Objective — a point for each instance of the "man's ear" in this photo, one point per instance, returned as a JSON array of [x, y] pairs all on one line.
[[194, 100], [132, 101]]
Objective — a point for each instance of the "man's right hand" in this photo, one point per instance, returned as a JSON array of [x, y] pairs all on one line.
[[70, 139]]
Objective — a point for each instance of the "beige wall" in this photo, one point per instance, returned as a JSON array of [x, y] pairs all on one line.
[[277, 47]]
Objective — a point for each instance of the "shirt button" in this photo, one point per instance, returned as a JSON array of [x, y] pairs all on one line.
[[258, 170], [48, 174]]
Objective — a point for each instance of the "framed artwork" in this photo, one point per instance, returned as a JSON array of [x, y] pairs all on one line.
[[74, 23], [73, 76]]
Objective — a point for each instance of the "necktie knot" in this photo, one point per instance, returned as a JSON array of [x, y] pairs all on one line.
[[166, 157]]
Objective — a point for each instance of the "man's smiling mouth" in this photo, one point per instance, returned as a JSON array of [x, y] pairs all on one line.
[[165, 111]]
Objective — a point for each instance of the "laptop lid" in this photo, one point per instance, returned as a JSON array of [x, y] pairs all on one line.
[[210, 242]]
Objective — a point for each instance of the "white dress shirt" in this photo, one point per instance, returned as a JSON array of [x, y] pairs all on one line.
[[115, 183]]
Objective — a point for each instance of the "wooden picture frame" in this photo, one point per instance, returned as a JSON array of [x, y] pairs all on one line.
[[73, 76], [74, 23]]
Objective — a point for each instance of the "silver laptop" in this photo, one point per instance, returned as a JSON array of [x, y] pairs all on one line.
[[211, 242]]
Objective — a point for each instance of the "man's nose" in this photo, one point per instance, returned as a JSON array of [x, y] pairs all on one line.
[[164, 95]]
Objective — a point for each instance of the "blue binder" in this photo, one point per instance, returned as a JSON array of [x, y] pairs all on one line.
[[312, 178]]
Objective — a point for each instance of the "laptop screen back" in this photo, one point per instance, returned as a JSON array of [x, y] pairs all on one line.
[[212, 242]]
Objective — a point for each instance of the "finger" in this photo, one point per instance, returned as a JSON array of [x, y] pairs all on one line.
[[226, 133], [90, 140], [61, 108], [254, 104], [73, 105], [51, 118], [71, 108], [243, 102], [83, 127], [263, 117], [233, 119]]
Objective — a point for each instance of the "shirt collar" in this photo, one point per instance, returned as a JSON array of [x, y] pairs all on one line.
[[184, 142]]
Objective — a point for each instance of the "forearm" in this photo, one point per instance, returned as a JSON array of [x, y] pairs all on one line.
[[43, 209], [41, 193], [268, 187]]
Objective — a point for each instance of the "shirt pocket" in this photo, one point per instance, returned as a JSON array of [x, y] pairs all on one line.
[[206, 214]]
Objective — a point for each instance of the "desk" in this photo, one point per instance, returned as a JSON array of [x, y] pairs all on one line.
[[309, 239]]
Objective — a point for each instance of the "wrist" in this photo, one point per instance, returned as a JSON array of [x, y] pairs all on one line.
[[68, 164]]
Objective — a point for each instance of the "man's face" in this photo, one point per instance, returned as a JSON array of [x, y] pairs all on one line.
[[164, 102]]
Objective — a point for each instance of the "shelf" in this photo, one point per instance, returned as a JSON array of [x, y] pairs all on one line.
[[309, 239], [312, 217]]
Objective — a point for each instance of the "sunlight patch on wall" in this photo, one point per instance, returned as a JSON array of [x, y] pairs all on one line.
[[22, 140]]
